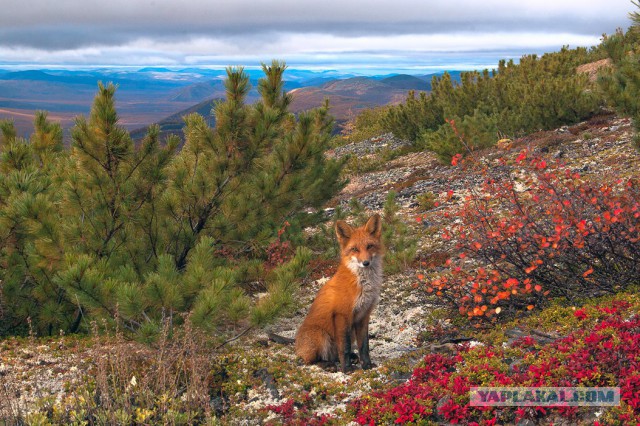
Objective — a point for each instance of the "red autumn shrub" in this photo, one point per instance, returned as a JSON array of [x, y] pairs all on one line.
[[541, 230], [286, 409], [603, 353], [280, 250], [296, 413]]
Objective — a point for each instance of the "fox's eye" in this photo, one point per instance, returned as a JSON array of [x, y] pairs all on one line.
[[370, 246], [354, 249]]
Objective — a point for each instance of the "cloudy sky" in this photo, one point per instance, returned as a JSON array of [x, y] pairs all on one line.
[[354, 34]]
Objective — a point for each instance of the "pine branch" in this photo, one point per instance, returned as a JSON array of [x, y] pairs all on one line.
[[181, 262]]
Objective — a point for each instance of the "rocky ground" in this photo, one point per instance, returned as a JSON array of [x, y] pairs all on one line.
[[271, 374], [593, 148]]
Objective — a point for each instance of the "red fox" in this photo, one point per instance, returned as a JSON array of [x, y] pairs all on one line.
[[341, 309]]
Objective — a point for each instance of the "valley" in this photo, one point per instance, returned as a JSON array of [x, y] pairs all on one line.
[[159, 95]]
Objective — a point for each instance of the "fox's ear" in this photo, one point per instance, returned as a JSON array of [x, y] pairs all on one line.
[[374, 225], [343, 231]]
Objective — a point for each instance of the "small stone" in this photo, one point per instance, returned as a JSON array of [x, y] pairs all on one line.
[[269, 382], [442, 402], [514, 365], [400, 376], [444, 348]]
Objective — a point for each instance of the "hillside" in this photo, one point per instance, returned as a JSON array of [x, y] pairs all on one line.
[[158, 95], [349, 96], [252, 376], [141, 96], [346, 97], [407, 82], [199, 91], [174, 123]]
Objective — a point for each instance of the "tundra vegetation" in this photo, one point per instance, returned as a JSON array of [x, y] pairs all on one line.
[[167, 245]]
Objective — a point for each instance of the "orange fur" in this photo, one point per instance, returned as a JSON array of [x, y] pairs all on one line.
[[342, 307]]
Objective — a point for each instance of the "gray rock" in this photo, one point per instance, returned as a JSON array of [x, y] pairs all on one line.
[[447, 348], [269, 382], [370, 146], [441, 403]]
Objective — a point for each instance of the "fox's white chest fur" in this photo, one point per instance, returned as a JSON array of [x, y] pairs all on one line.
[[370, 282]]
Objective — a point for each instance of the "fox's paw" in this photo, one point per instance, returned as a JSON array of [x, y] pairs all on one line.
[[348, 369], [368, 365]]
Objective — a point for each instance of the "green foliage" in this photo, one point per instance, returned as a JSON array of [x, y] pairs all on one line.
[[621, 83], [360, 165], [7, 131], [110, 186], [366, 125], [145, 235], [473, 132], [30, 234], [281, 286], [538, 93], [357, 210], [426, 201], [416, 114], [400, 242], [324, 240]]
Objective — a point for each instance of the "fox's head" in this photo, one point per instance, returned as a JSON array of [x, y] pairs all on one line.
[[361, 247]]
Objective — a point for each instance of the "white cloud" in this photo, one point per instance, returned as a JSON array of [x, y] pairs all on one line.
[[245, 14], [174, 32], [301, 46]]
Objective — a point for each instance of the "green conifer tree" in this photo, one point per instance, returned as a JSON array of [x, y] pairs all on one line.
[[144, 235], [621, 83], [401, 244], [111, 195], [259, 167], [30, 238]]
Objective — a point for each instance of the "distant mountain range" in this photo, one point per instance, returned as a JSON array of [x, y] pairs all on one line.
[[174, 123], [160, 95], [347, 97]]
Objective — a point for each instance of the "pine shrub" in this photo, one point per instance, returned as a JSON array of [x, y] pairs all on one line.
[[401, 243], [146, 235], [621, 82], [536, 94]]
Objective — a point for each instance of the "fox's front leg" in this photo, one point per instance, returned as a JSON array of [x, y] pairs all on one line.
[[362, 335], [345, 361], [343, 341]]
